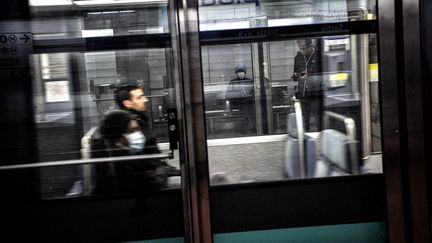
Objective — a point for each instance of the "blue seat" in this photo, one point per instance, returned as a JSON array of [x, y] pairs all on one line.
[[299, 149], [339, 153]]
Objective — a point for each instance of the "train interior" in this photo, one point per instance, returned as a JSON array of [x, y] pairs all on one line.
[[255, 134]]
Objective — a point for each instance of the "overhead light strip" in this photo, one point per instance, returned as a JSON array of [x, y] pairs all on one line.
[[115, 2], [37, 3]]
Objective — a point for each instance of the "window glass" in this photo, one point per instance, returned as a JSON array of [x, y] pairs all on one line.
[[73, 92], [225, 117], [293, 109], [85, 19], [242, 14], [79, 61]]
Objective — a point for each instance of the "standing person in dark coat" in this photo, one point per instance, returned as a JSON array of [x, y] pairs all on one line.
[[240, 95], [309, 88]]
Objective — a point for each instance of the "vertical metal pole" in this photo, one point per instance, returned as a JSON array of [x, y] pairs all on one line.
[[268, 87], [365, 94], [300, 134], [256, 66], [195, 179]]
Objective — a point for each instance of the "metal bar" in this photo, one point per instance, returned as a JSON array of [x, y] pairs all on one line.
[[86, 154], [257, 72], [365, 95], [237, 141], [350, 129], [84, 161], [300, 134], [102, 43], [348, 121], [148, 96]]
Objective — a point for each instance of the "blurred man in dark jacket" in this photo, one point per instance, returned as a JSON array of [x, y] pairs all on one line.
[[309, 86]]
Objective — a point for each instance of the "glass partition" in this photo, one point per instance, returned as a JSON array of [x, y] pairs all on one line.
[[80, 60], [293, 109], [243, 14], [84, 19], [72, 94]]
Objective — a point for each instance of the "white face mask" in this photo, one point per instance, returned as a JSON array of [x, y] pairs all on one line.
[[241, 75], [136, 141]]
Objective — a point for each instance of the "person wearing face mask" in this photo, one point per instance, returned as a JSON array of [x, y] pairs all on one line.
[[240, 96], [307, 64], [131, 98], [122, 136], [121, 133]]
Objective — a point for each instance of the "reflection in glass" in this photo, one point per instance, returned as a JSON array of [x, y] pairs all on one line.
[[87, 19], [229, 99], [72, 92], [315, 109], [222, 15]]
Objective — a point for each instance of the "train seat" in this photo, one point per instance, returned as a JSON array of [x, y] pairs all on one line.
[[311, 141], [299, 148], [91, 147], [100, 178], [292, 157], [338, 154]]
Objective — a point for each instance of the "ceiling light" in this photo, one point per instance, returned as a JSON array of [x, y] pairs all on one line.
[[115, 2], [50, 2]]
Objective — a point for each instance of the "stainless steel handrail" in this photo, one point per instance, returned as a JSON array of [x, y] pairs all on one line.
[[148, 96], [84, 161], [350, 129], [300, 134]]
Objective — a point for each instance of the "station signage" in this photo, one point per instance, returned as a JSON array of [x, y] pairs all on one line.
[[15, 48]]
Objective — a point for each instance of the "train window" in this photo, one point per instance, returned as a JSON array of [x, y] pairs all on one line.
[[242, 14], [218, 72], [80, 58], [97, 19], [72, 94], [292, 109]]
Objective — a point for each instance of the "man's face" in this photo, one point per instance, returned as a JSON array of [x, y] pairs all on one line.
[[138, 99], [241, 75], [302, 45]]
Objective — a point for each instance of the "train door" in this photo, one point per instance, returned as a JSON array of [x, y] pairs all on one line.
[[279, 113], [62, 178], [312, 67]]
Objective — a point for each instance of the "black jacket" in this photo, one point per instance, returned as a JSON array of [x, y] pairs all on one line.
[[240, 94], [138, 176], [312, 86]]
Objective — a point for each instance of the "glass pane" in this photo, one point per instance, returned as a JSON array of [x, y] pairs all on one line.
[[293, 109], [72, 94], [243, 14], [226, 116], [65, 66], [84, 19]]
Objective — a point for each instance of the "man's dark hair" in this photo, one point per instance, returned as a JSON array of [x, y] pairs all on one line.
[[122, 93]]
